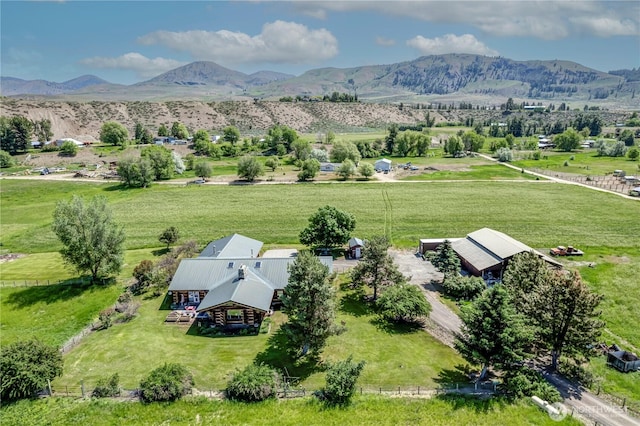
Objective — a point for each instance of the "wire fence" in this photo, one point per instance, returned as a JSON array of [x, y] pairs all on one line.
[[84, 390], [38, 283], [608, 182]]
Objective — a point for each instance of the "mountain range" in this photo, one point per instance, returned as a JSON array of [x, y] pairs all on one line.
[[446, 78]]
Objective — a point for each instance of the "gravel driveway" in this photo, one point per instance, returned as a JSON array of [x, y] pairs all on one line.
[[444, 323]]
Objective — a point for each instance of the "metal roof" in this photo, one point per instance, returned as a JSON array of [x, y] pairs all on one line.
[[252, 290], [353, 242], [217, 275], [475, 254], [235, 245], [384, 160], [499, 244]]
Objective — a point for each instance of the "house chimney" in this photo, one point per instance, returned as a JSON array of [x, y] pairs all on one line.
[[242, 272]]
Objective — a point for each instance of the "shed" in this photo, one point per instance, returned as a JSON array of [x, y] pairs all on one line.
[[383, 164], [329, 167], [355, 248], [623, 361]]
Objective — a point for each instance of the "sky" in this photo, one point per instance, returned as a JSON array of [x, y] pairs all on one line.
[[131, 41]]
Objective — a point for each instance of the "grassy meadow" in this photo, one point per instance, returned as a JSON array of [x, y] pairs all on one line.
[[539, 213], [583, 163], [366, 409]]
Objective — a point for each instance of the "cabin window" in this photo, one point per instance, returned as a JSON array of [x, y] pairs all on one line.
[[234, 314]]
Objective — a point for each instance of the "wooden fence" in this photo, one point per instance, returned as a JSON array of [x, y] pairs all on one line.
[[45, 282]]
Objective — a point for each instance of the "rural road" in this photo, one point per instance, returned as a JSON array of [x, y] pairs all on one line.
[[445, 323]]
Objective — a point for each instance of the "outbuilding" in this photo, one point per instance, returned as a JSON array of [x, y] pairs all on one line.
[[355, 248], [383, 165]]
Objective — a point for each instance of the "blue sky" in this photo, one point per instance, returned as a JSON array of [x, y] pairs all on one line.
[[131, 41]]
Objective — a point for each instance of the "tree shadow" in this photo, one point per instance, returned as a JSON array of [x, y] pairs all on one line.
[[160, 252], [166, 303], [460, 374], [354, 303], [278, 355], [116, 187], [64, 291], [396, 327]]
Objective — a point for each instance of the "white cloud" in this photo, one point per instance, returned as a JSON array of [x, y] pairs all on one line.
[[279, 42], [143, 66], [382, 41], [451, 43], [549, 20]]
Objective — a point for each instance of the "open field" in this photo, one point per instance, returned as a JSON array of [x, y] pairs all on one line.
[[583, 163], [367, 409], [541, 214], [428, 210], [488, 172]]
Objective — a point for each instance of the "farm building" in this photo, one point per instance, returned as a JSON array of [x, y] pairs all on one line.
[[355, 248], [487, 252], [329, 167], [231, 289], [383, 165]]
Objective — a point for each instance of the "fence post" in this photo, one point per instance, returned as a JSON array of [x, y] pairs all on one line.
[[624, 402], [49, 386], [360, 390], [381, 391], [66, 388], [398, 390], [418, 390], [82, 387]]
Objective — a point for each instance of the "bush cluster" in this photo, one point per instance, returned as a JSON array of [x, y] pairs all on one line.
[[524, 382], [341, 382], [169, 382], [463, 288], [254, 383], [107, 387]]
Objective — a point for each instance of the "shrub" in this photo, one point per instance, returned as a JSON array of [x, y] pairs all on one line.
[[169, 382], [5, 159], [107, 387], [341, 382], [536, 155], [463, 288], [49, 147], [254, 383], [633, 154], [403, 302], [566, 163], [106, 318], [26, 367], [523, 382], [504, 155], [69, 148]]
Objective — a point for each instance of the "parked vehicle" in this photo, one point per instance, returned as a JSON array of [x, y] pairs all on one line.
[[566, 251]]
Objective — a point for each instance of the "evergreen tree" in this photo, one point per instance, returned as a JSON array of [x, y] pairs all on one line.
[[570, 319], [376, 268], [492, 333], [309, 304], [445, 259]]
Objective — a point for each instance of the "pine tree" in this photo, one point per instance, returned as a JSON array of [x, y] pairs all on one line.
[[492, 333], [445, 259], [376, 268], [308, 301]]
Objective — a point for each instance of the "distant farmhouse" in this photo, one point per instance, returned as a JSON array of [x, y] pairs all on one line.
[[485, 252], [230, 285]]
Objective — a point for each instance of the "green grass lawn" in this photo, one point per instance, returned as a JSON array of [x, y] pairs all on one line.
[[365, 410], [54, 313], [488, 172], [584, 163], [395, 356]]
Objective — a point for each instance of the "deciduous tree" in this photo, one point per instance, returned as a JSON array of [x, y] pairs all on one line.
[[328, 227], [249, 168], [169, 236], [310, 169], [403, 302], [568, 140], [343, 150], [341, 381], [113, 133], [92, 241], [231, 134], [135, 173], [203, 169], [272, 162], [346, 169], [161, 161], [309, 304], [366, 170]]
